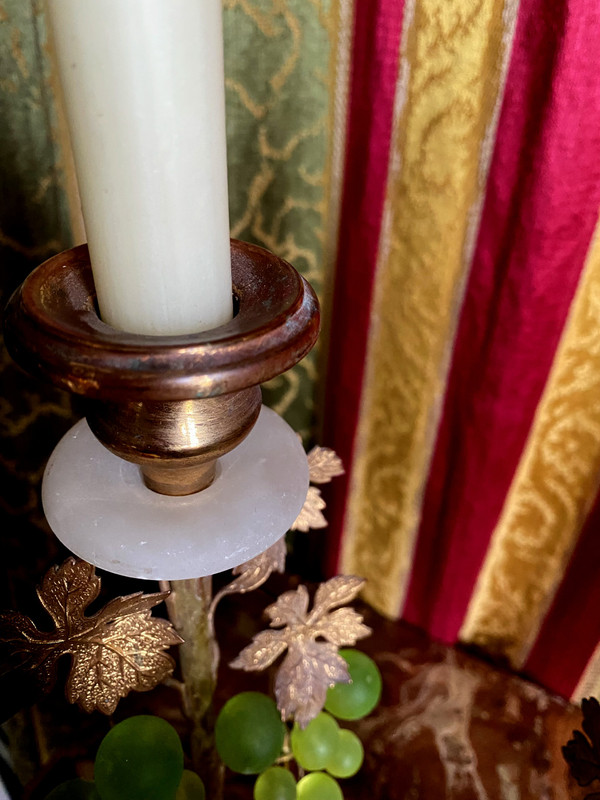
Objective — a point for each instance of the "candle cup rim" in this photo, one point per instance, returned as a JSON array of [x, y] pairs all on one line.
[[53, 330]]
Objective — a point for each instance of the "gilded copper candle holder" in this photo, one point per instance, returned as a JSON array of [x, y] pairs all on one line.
[[172, 404]]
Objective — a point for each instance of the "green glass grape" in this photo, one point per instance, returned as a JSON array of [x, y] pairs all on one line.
[[314, 746], [191, 787], [275, 783], [249, 732], [347, 758], [74, 790], [356, 699], [140, 758], [318, 786]]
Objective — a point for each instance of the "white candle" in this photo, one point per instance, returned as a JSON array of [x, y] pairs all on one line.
[[144, 92]]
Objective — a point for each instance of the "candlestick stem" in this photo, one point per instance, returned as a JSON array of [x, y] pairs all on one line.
[[188, 607]]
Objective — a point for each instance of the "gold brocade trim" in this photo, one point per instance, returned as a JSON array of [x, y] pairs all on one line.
[[552, 491], [341, 27], [589, 683], [451, 77], [341, 30]]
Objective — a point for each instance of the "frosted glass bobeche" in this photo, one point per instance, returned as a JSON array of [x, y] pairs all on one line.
[[99, 507]]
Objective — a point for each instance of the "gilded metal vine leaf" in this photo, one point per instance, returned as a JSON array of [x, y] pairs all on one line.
[[253, 573], [312, 663], [116, 650], [311, 515], [323, 465]]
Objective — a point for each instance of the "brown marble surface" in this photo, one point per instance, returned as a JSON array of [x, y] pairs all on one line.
[[452, 726], [449, 726]]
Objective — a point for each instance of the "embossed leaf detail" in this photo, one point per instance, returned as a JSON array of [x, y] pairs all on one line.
[[323, 465], [312, 663], [118, 649], [311, 515], [252, 574]]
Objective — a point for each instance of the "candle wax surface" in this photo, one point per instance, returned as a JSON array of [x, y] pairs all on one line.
[[144, 93]]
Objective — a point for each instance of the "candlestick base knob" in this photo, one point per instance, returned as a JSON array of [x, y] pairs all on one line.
[[176, 443], [178, 481]]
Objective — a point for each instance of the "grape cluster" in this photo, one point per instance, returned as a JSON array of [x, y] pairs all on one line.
[[250, 735], [140, 758]]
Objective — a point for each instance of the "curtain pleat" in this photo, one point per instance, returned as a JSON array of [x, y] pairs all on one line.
[[474, 458]]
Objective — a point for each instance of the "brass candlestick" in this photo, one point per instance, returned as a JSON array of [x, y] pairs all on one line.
[[172, 404]]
